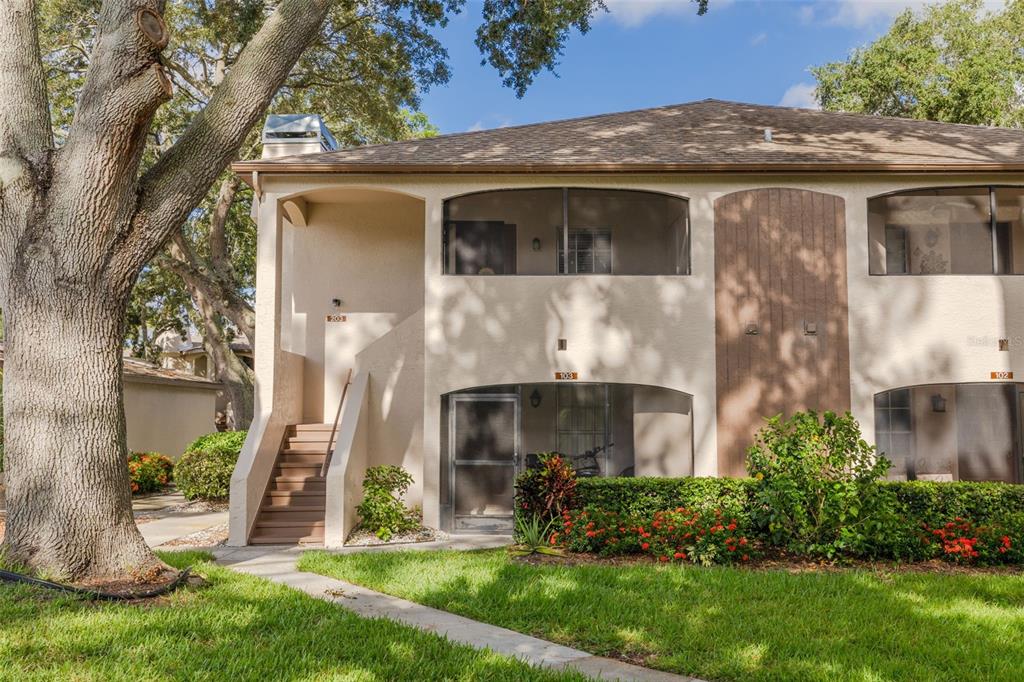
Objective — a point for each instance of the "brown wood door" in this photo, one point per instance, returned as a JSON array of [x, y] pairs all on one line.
[[781, 337]]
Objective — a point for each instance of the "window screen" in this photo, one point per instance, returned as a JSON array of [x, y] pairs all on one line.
[[950, 231]]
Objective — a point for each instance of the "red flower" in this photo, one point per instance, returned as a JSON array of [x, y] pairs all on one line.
[[645, 546], [680, 555], [663, 558]]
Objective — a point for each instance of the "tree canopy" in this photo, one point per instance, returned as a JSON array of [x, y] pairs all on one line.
[[954, 62]]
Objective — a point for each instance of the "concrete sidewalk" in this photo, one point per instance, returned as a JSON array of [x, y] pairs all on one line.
[[278, 564], [174, 526]]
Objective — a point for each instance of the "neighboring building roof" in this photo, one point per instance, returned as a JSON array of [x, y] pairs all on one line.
[[172, 343], [144, 372], [706, 136]]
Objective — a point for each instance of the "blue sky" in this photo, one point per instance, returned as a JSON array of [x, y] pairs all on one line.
[[647, 53]]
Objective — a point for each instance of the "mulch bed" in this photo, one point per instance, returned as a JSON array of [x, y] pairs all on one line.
[[213, 536], [781, 561]]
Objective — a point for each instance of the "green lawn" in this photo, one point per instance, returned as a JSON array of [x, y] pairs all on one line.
[[238, 628], [725, 623]]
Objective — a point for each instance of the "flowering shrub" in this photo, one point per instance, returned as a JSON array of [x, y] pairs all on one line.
[[149, 471], [547, 490], [964, 542], [703, 537]]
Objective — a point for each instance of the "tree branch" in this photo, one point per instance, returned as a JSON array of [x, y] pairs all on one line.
[[24, 110], [177, 182]]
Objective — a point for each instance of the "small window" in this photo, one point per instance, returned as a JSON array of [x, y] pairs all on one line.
[[590, 252], [954, 231]]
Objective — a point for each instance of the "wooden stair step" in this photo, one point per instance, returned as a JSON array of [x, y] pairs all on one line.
[[277, 499], [292, 483], [288, 524], [320, 437], [301, 428], [286, 539], [288, 457], [307, 513]]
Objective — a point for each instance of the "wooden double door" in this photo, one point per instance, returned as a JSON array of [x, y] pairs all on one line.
[[781, 315]]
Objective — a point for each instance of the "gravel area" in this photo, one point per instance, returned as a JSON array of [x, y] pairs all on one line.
[[361, 537], [197, 507], [213, 536]]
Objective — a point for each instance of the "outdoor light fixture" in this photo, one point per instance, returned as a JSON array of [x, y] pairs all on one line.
[[336, 302], [536, 243], [535, 398], [938, 403]]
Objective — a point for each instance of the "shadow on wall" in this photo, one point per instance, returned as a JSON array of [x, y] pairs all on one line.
[[781, 311]]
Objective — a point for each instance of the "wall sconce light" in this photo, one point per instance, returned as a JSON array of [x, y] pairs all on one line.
[[810, 328], [938, 403], [536, 243], [1004, 344], [751, 329], [336, 302], [535, 398]]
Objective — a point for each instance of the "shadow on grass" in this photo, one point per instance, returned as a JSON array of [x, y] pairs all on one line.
[[238, 628], [725, 623]]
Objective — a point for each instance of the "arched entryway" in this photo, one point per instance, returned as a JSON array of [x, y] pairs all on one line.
[[491, 434]]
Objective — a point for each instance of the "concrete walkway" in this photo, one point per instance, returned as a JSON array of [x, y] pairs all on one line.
[[174, 526], [278, 564]]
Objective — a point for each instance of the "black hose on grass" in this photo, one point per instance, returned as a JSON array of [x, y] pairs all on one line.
[[11, 577]]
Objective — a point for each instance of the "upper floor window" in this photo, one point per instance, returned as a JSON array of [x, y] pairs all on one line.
[[951, 231], [566, 231]]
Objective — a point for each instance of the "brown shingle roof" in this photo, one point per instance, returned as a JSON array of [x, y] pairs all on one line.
[[710, 135], [138, 370]]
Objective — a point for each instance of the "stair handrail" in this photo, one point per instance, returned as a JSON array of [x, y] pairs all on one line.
[[334, 428]]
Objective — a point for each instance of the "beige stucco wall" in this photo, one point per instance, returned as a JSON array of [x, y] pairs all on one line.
[[165, 418], [655, 330]]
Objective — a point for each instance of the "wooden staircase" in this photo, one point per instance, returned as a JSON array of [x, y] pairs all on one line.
[[293, 507]]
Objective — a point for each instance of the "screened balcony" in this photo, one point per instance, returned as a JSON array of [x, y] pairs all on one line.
[[566, 231], [948, 231]]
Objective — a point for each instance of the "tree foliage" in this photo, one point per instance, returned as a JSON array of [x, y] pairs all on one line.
[[953, 62]]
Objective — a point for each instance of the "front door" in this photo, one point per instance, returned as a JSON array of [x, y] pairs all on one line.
[[484, 444]]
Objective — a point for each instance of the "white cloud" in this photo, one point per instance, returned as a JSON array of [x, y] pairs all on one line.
[[632, 13], [760, 39], [492, 122], [866, 13], [479, 125], [800, 95]]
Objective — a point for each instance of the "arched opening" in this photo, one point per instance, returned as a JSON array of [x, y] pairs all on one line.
[[947, 231], [951, 432], [566, 231], [491, 434]]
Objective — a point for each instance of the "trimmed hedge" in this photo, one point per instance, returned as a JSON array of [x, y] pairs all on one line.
[[204, 471], [909, 521], [646, 496]]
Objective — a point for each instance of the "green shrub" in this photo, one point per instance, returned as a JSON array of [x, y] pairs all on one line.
[[382, 510], [149, 471], [900, 527], [204, 471], [817, 484], [226, 442], [545, 491], [645, 496]]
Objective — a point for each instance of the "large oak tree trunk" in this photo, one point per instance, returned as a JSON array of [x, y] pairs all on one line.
[[68, 495], [76, 226]]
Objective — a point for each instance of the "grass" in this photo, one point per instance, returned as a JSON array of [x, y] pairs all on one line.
[[725, 623], [237, 628]]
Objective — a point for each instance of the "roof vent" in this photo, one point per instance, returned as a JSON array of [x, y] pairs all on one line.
[[292, 134], [767, 134]]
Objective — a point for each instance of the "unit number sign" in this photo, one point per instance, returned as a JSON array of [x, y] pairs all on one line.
[[1001, 375], [567, 376]]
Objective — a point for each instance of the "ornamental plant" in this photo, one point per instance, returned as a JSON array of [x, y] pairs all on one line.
[[149, 472], [817, 489], [382, 510], [204, 471], [680, 535], [547, 490], [965, 542]]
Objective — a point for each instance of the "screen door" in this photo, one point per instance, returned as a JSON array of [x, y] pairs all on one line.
[[484, 443]]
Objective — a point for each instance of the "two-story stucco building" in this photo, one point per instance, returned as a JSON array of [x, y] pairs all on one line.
[[635, 291]]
